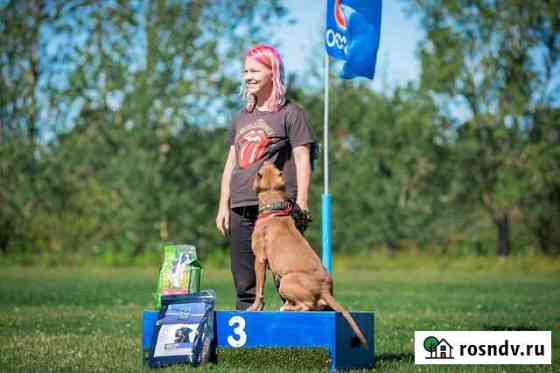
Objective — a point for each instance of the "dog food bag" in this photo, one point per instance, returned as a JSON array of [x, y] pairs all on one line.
[[184, 330], [180, 272]]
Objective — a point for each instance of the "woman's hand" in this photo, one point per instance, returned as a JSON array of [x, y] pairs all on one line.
[[222, 221], [302, 205]]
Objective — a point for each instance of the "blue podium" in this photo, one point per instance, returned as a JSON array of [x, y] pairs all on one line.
[[328, 330]]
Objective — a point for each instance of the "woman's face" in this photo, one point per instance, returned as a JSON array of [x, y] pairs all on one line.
[[258, 78]]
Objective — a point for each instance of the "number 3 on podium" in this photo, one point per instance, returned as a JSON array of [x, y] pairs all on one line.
[[239, 331]]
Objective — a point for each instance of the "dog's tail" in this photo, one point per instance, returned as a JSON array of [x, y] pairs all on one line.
[[331, 302]]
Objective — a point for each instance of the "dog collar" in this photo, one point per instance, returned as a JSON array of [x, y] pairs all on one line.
[[276, 206], [271, 210]]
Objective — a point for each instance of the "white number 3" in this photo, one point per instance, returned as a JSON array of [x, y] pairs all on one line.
[[239, 331]]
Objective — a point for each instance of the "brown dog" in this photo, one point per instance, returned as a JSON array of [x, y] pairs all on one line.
[[304, 283]]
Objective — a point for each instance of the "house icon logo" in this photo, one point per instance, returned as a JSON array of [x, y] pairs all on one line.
[[438, 348]]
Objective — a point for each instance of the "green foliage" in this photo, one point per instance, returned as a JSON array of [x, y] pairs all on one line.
[[541, 194], [113, 121], [389, 168], [127, 151], [497, 59]]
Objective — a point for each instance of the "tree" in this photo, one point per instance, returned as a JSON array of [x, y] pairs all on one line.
[[118, 89], [430, 345], [496, 60], [541, 198], [20, 74], [388, 167]]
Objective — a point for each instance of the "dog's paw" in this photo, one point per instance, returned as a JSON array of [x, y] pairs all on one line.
[[257, 306]]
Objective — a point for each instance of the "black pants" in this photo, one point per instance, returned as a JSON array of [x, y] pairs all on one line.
[[242, 224]]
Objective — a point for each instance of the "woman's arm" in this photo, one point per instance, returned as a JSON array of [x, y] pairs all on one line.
[[303, 175], [222, 219]]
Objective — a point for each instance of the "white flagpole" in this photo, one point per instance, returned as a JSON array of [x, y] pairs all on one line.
[[326, 200]]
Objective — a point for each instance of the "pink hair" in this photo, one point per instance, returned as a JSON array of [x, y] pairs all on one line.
[[270, 58]]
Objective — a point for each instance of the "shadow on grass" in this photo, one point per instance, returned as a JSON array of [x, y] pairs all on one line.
[[405, 357]]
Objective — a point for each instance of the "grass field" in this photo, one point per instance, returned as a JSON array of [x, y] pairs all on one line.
[[88, 319]]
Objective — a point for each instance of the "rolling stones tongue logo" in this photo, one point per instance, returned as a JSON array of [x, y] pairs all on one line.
[[252, 145]]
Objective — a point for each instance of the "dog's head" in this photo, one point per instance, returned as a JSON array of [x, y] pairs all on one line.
[[269, 178]]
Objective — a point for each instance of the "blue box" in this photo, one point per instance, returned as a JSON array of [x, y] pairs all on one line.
[[328, 330]]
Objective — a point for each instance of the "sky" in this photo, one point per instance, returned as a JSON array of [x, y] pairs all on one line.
[[396, 59]]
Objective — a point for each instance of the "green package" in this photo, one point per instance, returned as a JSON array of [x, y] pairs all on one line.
[[180, 272]]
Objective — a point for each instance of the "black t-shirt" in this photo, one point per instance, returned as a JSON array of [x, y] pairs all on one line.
[[266, 136]]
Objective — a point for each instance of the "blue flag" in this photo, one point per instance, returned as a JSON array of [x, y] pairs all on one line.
[[352, 35]]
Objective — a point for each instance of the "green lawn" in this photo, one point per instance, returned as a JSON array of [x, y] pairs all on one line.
[[89, 319]]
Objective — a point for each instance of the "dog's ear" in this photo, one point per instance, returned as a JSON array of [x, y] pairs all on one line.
[[278, 182], [257, 182]]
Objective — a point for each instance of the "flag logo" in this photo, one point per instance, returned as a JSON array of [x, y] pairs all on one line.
[[339, 16]]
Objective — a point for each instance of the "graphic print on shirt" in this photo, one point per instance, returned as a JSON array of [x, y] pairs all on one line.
[[253, 140]]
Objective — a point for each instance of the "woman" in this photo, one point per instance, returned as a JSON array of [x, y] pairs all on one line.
[[269, 128]]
